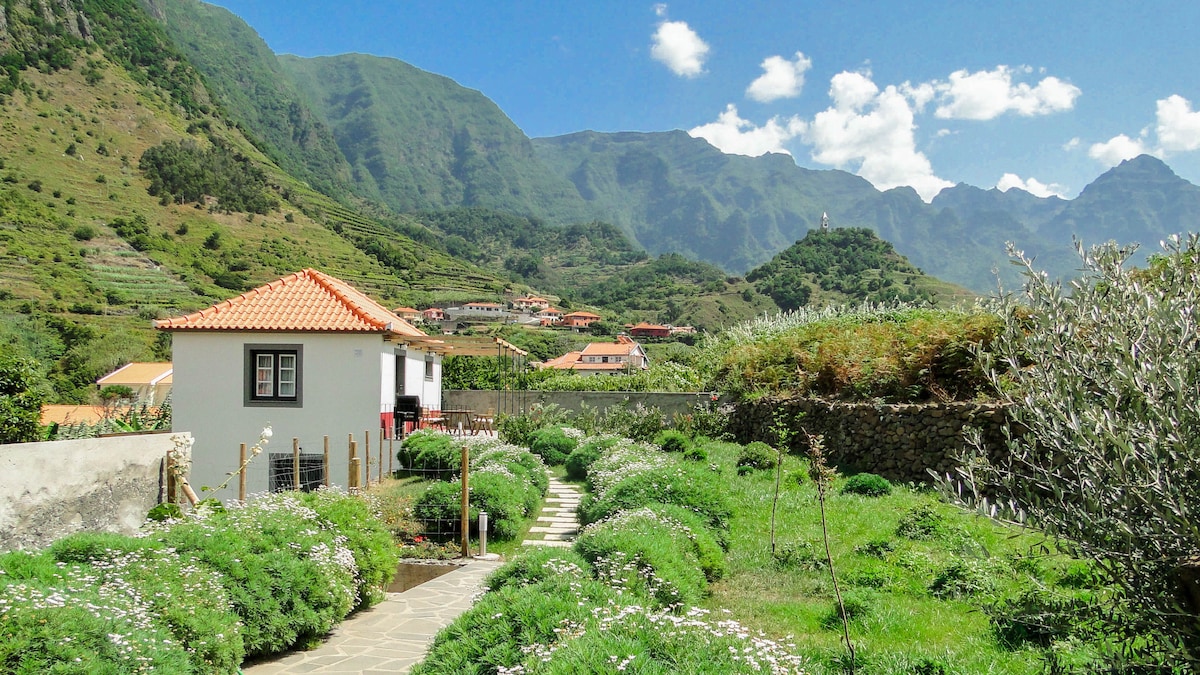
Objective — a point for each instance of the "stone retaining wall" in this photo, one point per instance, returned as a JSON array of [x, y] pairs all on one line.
[[669, 403], [49, 490], [901, 442]]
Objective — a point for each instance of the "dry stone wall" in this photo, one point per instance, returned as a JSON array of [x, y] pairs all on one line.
[[901, 442]]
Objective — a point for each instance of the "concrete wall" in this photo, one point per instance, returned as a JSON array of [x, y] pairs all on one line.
[[50, 490], [340, 389], [898, 442], [572, 400]]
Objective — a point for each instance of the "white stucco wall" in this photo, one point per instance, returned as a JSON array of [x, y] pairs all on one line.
[[341, 382]]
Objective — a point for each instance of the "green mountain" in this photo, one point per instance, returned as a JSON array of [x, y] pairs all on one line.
[[420, 141], [847, 266], [244, 75]]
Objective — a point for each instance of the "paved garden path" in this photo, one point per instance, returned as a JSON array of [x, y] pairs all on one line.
[[391, 636], [558, 523]]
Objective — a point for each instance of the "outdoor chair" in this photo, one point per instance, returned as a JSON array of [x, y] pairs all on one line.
[[432, 419]]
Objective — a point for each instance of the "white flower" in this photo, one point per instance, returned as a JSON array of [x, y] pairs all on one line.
[[267, 433]]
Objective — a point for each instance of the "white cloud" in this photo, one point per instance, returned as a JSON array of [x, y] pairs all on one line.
[[875, 130], [736, 136], [1117, 149], [1033, 186], [660, 9], [780, 79], [987, 94], [1178, 127], [679, 47], [1072, 144], [942, 133]]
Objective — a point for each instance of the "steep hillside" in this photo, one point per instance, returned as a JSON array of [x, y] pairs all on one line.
[[421, 141], [847, 266], [88, 255], [595, 264], [245, 77]]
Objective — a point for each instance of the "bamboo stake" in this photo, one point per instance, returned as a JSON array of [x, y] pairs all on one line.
[[242, 474], [326, 461], [296, 464], [466, 506]]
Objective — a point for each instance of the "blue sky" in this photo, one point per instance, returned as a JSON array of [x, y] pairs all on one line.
[[1041, 95]]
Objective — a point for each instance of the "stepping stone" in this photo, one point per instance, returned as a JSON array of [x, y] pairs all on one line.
[[552, 544], [559, 536], [561, 499], [557, 519], [559, 529], [556, 509]]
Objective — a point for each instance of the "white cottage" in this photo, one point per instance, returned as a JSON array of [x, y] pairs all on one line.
[[309, 355]]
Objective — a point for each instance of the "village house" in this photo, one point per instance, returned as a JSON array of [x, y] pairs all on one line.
[[408, 313], [530, 303], [150, 382], [580, 319], [550, 316], [488, 311], [433, 314], [308, 355], [603, 358], [644, 329]]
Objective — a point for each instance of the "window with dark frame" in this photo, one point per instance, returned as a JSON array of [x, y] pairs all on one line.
[[273, 375], [429, 369]]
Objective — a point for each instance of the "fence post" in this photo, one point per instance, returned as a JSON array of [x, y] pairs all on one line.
[[296, 464], [367, 458], [391, 454], [170, 470], [326, 466], [380, 471], [466, 506], [242, 473], [352, 482]]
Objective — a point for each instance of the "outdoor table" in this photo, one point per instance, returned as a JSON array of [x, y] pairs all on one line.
[[461, 420]]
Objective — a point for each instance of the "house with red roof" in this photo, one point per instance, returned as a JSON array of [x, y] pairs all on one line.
[[309, 355], [408, 313], [529, 303], [580, 319], [644, 329], [434, 314], [603, 358]]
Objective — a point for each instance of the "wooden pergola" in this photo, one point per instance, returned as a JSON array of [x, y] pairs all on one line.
[[510, 362]]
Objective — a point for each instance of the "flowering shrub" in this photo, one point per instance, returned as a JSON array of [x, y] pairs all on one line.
[[506, 481], [686, 485], [624, 459], [430, 452], [672, 441], [645, 553], [552, 445], [581, 458]]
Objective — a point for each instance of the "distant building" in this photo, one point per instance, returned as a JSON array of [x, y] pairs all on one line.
[[479, 310], [689, 330], [550, 316], [580, 319], [530, 303], [644, 329], [603, 358], [150, 382], [408, 313], [434, 314]]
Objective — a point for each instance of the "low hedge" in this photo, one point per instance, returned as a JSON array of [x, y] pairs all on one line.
[[194, 596], [643, 552], [687, 485], [430, 452], [506, 481], [552, 444], [581, 458]]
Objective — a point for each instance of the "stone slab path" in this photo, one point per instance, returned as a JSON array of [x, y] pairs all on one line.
[[557, 524], [391, 636]]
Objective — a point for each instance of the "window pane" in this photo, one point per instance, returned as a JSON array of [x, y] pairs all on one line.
[[264, 375], [287, 375]]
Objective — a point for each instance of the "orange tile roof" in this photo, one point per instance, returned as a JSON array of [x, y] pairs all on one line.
[[404, 310], [609, 349], [305, 301], [584, 315], [72, 414], [643, 326], [566, 361], [139, 373]]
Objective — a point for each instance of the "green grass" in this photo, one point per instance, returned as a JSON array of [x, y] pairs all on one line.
[[906, 625]]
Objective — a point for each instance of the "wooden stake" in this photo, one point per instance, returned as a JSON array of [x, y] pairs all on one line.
[[169, 468], [242, 473], [380, 467], [326, 461], [353, 480], [391, 454], [466, 506], [367, 457], [296, 464]]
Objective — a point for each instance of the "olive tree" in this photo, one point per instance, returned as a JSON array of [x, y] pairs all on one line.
[[1103, 445], [20, 401]]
